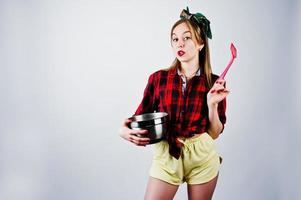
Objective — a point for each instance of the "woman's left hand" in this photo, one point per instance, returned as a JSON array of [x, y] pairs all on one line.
[[217, 93]]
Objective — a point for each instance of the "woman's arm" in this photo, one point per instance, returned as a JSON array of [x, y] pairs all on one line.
[[132, 135], [215, 125], [216, 94], [147, 105]]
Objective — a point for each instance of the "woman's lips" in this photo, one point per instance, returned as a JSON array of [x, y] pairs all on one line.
[[181, 53]]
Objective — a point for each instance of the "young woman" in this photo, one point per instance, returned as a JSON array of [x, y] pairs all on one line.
[[194, 99]]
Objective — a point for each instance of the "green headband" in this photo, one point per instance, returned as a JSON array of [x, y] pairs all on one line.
[[198, 19]]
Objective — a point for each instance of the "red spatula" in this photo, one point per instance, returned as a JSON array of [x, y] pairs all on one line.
[[234, 53]]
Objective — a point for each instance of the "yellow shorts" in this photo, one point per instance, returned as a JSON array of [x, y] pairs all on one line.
[[199, 162]]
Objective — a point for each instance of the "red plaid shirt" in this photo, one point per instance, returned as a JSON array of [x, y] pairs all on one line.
[[188, 112]]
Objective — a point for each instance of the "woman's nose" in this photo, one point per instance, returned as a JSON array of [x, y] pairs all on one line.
[[180, 43]]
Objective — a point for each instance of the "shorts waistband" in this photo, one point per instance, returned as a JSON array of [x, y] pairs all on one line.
[[193, 139]]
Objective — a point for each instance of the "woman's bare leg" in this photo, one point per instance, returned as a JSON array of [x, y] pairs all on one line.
[[159, 190], [202, 191]]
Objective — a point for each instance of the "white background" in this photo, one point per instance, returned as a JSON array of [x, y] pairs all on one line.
[[72, 71]]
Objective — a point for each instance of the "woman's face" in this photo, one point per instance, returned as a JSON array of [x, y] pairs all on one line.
[[184, 45]]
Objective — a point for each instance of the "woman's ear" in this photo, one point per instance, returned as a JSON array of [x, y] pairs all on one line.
[[201, 47]]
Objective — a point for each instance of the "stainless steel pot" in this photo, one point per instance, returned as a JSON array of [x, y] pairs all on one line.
[[155, 123]]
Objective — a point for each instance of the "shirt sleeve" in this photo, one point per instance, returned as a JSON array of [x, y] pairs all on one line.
[[148, 103]]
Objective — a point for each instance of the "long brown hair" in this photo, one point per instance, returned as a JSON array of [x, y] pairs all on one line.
[[204, 55]]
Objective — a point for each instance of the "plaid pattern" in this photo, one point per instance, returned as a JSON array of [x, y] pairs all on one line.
[[188, 111]]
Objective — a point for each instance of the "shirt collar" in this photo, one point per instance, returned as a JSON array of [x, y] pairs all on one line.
[[198, 73]]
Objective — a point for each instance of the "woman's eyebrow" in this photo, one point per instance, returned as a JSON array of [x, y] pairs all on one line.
[[183, 33]]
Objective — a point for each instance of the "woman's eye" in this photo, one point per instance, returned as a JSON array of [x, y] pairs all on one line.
[[187, 38], [175, 39]]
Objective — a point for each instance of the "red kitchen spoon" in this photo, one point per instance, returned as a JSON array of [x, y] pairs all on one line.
[[234, 54]]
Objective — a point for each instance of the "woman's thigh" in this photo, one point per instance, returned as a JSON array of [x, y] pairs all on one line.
[[202, 191], [159, 190]]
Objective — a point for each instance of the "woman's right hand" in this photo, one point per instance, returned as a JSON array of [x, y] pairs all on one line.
[[132, 135]]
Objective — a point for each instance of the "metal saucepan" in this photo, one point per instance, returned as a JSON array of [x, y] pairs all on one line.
[[155, 123]]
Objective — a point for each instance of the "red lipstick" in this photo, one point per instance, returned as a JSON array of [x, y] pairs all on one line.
[[181, 53]]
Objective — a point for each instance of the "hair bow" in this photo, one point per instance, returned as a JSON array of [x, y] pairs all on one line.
[[199, 19]]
